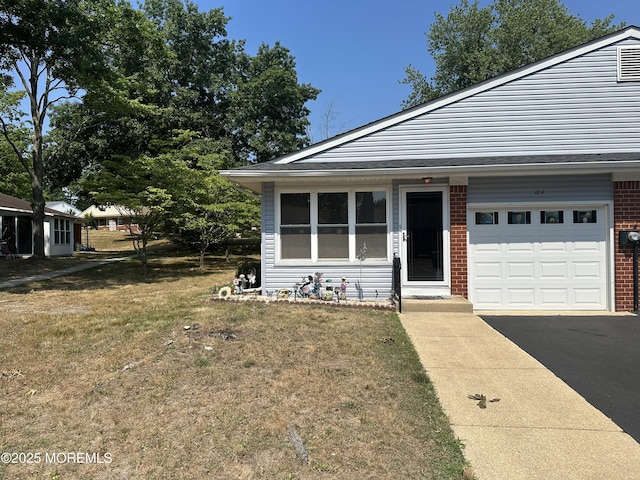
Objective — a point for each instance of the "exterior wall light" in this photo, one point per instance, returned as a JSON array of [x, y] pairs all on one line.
[[632, 237]]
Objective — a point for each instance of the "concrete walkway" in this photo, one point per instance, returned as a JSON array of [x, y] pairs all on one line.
[[58, 273], [539, 429]]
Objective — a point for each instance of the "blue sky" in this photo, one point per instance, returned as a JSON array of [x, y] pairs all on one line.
[[355, 51]]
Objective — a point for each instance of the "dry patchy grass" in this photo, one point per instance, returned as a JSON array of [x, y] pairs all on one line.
[[107, 244], [99, 363]]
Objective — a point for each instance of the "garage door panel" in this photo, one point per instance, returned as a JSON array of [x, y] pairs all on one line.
[[491, 297], [537, 265], [488, 270], [489, 248], [554, 297], [587, 270], [522, 297], [588, 248], [553, 247], [588, 297], [519, 247], [553, 270], [521, 270]]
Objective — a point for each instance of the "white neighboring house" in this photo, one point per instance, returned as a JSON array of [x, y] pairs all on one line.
[[64, 207], [16, 226], [111, 217]]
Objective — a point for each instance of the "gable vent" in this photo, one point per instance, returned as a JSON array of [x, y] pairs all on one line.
[[629, 64]]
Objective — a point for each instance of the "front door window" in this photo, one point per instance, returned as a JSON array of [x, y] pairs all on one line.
[[425, 241]]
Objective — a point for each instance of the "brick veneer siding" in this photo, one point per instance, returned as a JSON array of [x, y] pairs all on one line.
[[626, 216], [458, 216]]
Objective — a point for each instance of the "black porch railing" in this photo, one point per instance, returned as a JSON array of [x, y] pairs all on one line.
[[396, 292]]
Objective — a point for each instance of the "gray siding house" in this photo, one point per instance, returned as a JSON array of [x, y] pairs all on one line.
[[511, 193]]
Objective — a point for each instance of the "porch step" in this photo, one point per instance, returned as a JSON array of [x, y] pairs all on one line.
[[455, 304]]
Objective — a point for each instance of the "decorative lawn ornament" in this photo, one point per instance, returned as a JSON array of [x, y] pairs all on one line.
[[343, 289], [225, 292], [284, 293]]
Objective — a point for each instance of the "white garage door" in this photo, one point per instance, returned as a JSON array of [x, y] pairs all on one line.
[[538, 258]]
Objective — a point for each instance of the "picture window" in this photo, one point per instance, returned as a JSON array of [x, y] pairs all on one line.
[[486, 218], [519, 218], [322, 226], [585, 216], [551, 216]]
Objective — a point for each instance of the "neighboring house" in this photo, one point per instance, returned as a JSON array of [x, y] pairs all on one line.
[[78, 223], [511, 193], [111, 217], [15, 224], [64, 207]]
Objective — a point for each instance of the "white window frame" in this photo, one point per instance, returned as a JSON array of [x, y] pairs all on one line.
[[351, 213], [61, 231]]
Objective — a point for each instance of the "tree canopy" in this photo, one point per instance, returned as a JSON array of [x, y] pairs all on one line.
[[472, 43], [51, 48], [148, 91]]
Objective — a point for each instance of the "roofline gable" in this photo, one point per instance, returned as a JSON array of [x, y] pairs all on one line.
[[16, 205], [397, 118]]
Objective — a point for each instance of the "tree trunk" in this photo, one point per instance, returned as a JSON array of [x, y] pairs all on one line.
[[37, 168], [37, 203], [140, 246], [144, 256]]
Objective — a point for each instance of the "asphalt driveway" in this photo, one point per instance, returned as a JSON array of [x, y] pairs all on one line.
[[597, 356]]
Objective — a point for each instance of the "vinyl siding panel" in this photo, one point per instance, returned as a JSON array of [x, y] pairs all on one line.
[[268, 247], [561, 189], [574, 107], [375, 279]]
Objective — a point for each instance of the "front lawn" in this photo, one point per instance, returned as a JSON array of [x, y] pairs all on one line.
[[100, 377]]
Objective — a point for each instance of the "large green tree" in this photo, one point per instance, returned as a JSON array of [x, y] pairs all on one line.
[[146, 190], [474, 43], [213, 210], [14, 178], [190, 94], [203, 83], [121, 117], [268, 115], [51, 49]]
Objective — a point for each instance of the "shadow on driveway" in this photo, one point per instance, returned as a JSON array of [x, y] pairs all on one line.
[[597, 356]]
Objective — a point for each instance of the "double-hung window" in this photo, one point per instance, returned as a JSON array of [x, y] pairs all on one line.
[[333, 225], [295, 225], [371, 223]]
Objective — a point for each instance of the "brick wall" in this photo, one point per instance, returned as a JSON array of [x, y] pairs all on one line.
[[458, 215], [626, 216]]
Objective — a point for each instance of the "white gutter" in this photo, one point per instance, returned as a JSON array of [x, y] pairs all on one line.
[[478, 170], [30, 212]]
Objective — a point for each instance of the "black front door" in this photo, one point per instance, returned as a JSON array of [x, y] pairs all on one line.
[[424, 237]]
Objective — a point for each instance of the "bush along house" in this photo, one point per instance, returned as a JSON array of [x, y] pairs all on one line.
[[512, 193]]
